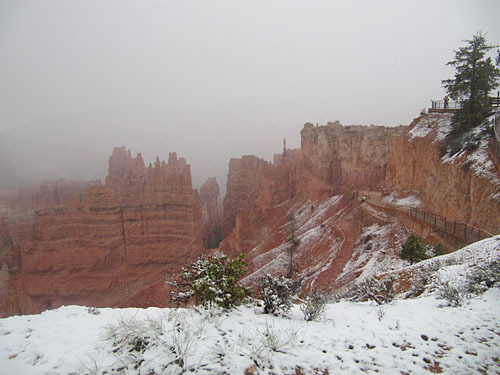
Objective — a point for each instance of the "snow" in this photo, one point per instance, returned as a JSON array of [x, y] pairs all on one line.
[[479, 160], [439, 123], [410, 201], [408, 336], [373, 254], [314, 225]]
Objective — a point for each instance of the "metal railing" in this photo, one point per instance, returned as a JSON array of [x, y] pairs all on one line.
[[496, 134], [440, 104], [461, 230]]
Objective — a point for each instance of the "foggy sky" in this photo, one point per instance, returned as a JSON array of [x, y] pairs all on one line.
[[213, 79]]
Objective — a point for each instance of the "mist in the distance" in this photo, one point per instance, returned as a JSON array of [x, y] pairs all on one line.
[[211, 80]]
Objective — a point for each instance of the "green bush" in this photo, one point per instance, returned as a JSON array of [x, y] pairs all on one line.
[[413, 250], [278, 293], [213, 280]]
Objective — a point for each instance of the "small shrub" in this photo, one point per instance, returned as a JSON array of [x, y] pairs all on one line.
[[277, 293], [438, 250], [274, 339], [380, 313], [453, 293], [212, 280], [481, 278], [314, 306], [371, 289], [93, 310], [418, 285], [129, 338]]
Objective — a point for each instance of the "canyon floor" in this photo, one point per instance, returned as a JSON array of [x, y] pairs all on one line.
[[407, 336]]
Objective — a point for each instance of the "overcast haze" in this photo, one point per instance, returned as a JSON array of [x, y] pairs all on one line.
[[211, 80]]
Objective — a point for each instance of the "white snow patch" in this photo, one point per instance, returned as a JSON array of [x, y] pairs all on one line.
[[479, 160], [411, 336], [411, 201], [372, 254], [440, 123]]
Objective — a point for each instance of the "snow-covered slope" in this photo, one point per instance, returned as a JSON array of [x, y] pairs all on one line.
[[408, 336]]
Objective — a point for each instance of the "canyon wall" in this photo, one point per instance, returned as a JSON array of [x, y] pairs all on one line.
[[254, 189], [111, 244], [463, 188], [99, 244], [338, 158], [335, 162], [212, 214], [404, 160]]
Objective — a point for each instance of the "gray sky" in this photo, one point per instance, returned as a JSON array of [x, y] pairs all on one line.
[[213, 79]]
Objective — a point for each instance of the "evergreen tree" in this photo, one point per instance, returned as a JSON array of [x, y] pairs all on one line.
[[294, 241], [413, 250], [475, 76], [212, 280]]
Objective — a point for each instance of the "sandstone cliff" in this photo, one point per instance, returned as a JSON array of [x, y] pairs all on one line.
[[211, 206], [338, 231], [101, 244], [347, 190], [465, 187], [339, 158]]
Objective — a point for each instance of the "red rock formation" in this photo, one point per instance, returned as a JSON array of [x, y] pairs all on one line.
[[211, 206], [111, 244], [337, 160], [462, 189], [246, 177], [100, 245]]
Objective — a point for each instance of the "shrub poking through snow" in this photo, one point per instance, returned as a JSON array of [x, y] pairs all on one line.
[[423, 279], [277, 293], [453, 293], [371, 289], [212, 280], [314, 305], [483, 277], [479, 278]]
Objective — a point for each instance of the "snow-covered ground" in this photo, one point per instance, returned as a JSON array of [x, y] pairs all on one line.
[[414, 336], [438, 122], [410, 201]]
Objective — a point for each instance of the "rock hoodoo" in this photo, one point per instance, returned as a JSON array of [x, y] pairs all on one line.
[[102, 245], [318, 185], [211, 206], [111, 244]]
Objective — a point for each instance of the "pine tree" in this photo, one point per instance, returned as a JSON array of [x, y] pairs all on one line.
[[475, 76], [294, 241], [413, 249]]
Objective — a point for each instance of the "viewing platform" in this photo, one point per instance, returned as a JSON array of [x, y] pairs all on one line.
[[439, 106]]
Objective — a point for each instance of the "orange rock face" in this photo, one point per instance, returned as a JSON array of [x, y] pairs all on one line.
[[211, 205], [316, 186], [102, 244], [459, 189], [111, 245], [338, 158]]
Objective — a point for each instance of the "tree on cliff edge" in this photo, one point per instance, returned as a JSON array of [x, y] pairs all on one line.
[[475, 77]]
